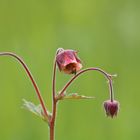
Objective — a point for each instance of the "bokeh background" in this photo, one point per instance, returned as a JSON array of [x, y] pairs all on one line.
[[107, 35]]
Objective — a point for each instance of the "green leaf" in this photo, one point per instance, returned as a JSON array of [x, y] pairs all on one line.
[[76, 96], [35, 109]]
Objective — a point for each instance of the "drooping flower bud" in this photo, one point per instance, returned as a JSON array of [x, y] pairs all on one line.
[[68, 61], [111, 108]]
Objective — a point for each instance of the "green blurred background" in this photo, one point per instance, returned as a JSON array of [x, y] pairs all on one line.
[[107, 35]]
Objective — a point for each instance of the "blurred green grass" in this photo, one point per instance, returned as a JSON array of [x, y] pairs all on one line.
[[106, 33]]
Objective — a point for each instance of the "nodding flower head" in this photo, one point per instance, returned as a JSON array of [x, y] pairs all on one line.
[[111, 108], [68, 61]]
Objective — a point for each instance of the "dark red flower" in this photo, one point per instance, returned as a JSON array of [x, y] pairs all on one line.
[[68, 61], [111, 108]]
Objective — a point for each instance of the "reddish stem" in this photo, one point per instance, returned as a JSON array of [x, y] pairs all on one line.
[[31, 78], [54, 80], [51, 132], [108, 76], [54, 101], [52, 122]]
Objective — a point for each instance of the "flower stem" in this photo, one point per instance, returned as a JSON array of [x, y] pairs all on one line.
[[108, 76], [54, 100], [54, 81], [52, 132], [31, 78], [54, 75], [52, 122]]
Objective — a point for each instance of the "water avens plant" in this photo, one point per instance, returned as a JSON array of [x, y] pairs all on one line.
[[67, 62]]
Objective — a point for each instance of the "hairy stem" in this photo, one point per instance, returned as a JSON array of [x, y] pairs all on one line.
[[31, 78], [54, 76], [52, 122], [52, 132], [54, 81], [108, 76], [54, 101]]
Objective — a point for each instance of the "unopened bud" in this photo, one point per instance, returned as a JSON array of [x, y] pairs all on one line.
[[111, 108]]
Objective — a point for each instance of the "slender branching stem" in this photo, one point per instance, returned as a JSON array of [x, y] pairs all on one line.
[[54, 81], [52, 121], [54, 76], [52, 118], [31, 78], [54, 101], [108, 76]]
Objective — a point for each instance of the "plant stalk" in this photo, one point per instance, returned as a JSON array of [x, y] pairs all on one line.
[[108, 77], [52, 122], [31, 78], [54, 102]]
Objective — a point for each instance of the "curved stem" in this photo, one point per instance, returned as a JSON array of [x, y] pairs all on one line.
[[52, 120], [111, 90], [54, 74], [54, 100], [31, 78], [108, 76], [54, 80]]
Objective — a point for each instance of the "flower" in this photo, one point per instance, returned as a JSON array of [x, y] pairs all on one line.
[[111, 108], [68, 61]]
